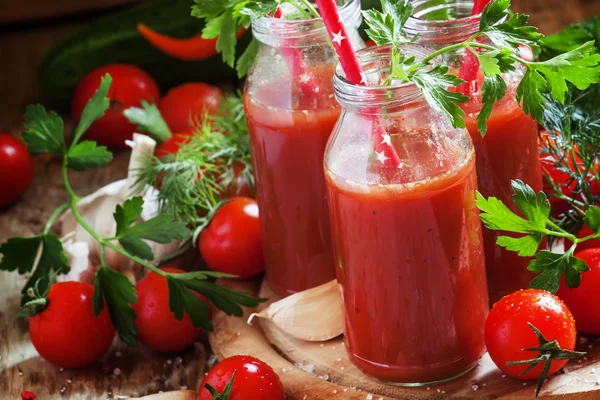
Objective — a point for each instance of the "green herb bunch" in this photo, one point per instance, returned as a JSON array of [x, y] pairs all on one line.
[[505, 31], [216, 159], [225, 17], [43, 255]]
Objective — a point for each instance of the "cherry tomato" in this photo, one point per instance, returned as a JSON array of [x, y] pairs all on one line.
[[507, 332], [16, 169], [129, 87], [239, 186], [67, 333], [172, 145], [158, 328], [254, 379], [232, 243], [186, 104], [581, 300]]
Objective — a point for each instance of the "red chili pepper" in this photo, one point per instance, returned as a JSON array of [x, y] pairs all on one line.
[[189, 49], [27, 395]]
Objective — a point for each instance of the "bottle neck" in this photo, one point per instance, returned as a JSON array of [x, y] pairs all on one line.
[[447, 23], [373, 98], [277, 32]]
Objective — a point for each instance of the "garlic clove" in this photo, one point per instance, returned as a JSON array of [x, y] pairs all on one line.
[[313, 315], [81, 268]]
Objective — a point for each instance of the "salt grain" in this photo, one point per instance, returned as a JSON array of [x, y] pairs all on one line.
[[333, 348], [582, 340], [61, 369], [69, 381], [118, 354], [524, 383], [169, 361], [334, 391], [63, 389], [428, 388], [117, 371], [322, 345], [338, 359], [283, 370], [342, 368], [475, 387], [369, 397], [184, 387], [504, 375], [239, 333], [179, 360], [20, 373], [305, 397]]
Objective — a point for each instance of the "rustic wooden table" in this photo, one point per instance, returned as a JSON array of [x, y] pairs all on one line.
[[24, 39]]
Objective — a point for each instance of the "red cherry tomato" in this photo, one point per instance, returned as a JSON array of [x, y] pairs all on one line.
[[129, 87], [16, 169], [158, 328], [186, 104], [507, 332], [581, 300], [254, 379], [172, 145], [232, 243], [67, 333]]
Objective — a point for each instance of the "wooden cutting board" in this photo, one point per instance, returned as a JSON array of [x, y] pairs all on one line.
[[311, 370]]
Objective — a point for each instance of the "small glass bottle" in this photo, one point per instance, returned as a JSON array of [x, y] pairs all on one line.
[[291, 112], [509, 149], [406, 238]]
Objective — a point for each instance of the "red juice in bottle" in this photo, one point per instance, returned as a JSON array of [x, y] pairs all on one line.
[[407, 239], [291, 111]]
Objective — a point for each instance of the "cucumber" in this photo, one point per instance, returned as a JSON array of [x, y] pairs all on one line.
[[114, 39]]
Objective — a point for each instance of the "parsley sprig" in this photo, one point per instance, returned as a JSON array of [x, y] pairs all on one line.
[[533, 226], [225, 17], [505, 31], [43, 255]]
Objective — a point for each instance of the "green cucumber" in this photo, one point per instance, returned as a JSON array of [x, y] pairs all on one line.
[[115, 39]]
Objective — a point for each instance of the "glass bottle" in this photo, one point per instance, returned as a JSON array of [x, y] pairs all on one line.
[[509, 149], [291, 112], [406, 238]]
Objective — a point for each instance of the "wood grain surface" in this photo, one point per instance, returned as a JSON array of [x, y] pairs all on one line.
[[324, 371]]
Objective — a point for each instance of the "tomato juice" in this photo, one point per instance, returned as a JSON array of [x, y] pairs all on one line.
[[288, 134]]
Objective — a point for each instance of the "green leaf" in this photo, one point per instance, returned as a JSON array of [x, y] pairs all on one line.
[[434, 84], [163, 228], [182, 299], [493, 14], [551, 266], [506, 29], [525, 246], [88, 154], [529, 94], [213, 28], [246, 60], [148, 119], [497, 216], [44, 132], [128, 213], [208, 8], [94, 108], [258, 9], [592, 219], [227, 39], [536, 208], [494, 89], [496, 62], [118, 293], [386, 27], [21, 254]]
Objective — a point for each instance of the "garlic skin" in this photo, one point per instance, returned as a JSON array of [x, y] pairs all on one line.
[[313, 315], [82, 269], [97, 209]]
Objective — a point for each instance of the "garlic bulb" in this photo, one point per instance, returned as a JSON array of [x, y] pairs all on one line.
[[313, 315], [97, 209], [82, 269]]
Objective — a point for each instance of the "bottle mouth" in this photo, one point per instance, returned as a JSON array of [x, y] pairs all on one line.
[[442, 20], [375, 63], [278, 28]]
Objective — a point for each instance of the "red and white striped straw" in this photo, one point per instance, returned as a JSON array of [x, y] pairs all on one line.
[[470, 66], [386, 153]]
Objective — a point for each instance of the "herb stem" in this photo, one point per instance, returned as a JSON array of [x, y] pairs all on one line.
[[61, 209], [304, 13], [103, 242], [311, 8]]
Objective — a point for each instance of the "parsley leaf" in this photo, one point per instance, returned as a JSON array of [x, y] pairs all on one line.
[[44, 132], [506, 29], [257, 9], [525, 246], [244, 63], [592, 219], [88, 154], [227, 40], [162, 228], [551, 266], [94, 108], [148, 119], [529, 94], [494, 88], [118, 293], [21, 255], [434, 84], [183, 299]]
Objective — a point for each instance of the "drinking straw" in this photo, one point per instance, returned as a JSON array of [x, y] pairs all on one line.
[[470, 66], [384, 150], [305, 78]]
